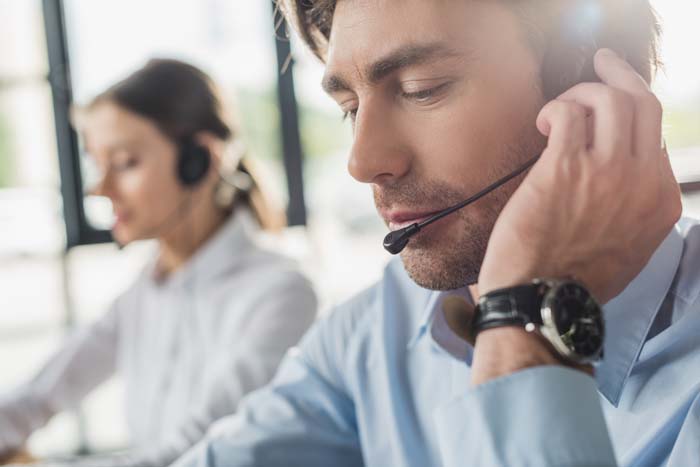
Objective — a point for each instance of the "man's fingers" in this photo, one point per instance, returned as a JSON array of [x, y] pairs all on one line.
[[617, 73], [648, 127], [565, 125], [613, 117]]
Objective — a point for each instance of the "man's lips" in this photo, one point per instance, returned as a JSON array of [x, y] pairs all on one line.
[[400, 219]]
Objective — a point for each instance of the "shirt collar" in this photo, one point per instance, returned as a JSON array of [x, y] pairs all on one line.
[[427, 318], [628, 317], [222, 251]]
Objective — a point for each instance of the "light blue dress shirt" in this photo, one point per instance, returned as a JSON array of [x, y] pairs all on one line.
[[384, 382]]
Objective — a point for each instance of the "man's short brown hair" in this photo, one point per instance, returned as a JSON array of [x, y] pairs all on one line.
[[567, 31]]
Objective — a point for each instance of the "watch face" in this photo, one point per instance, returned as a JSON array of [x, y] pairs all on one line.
[[575, 321]]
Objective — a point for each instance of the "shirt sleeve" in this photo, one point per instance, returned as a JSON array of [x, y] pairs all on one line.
[[278, 321], [86, 359], [304, 418], [541, 416]]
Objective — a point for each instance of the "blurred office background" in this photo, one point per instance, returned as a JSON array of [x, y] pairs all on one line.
[[57, 269]]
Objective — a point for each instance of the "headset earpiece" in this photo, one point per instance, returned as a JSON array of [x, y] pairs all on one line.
[[193, 163], [564, 67]]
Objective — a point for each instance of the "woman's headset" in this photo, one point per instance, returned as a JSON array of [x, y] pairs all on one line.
[[193, 163]]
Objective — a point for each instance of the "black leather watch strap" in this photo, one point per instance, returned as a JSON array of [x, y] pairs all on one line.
[[512, 306]]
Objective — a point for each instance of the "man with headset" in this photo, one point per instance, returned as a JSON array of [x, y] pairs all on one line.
[[478, 348]]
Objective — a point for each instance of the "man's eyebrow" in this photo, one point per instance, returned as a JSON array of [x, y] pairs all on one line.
[[333, 84], [405, 56], [409, 55]]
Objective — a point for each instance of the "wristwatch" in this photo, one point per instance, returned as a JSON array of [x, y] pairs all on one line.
[[563, 311]]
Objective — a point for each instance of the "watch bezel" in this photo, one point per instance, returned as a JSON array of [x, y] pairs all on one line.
[[549, 327]]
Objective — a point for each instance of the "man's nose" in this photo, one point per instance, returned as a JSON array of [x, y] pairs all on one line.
[[378, 154]]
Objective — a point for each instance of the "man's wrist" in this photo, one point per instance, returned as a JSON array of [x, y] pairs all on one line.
[[502, 351]]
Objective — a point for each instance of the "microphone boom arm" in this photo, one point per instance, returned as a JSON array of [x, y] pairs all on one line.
[[397, 240]]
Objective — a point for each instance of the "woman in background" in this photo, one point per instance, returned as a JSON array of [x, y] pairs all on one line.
[[211, 316]]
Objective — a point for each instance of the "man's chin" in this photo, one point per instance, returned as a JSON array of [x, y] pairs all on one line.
[[442, 268]]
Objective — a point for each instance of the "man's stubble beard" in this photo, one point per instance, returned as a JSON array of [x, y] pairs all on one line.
[[453, 259]]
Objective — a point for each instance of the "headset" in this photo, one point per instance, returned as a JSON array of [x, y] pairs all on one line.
[[193, 163]]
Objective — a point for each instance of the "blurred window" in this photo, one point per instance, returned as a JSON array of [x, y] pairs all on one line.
[[33, 316], [678, 87]]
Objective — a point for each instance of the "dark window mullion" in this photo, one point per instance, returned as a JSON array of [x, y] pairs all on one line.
[[292, 153], [78, 230], [69, 160]]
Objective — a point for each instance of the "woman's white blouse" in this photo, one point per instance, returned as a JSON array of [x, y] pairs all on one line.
[[189, 348]]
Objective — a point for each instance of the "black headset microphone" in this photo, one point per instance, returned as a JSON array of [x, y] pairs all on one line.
[[397, 240]]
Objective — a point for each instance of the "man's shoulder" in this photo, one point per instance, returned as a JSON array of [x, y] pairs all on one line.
[[393, 292], [361, 320], [358, 312]]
